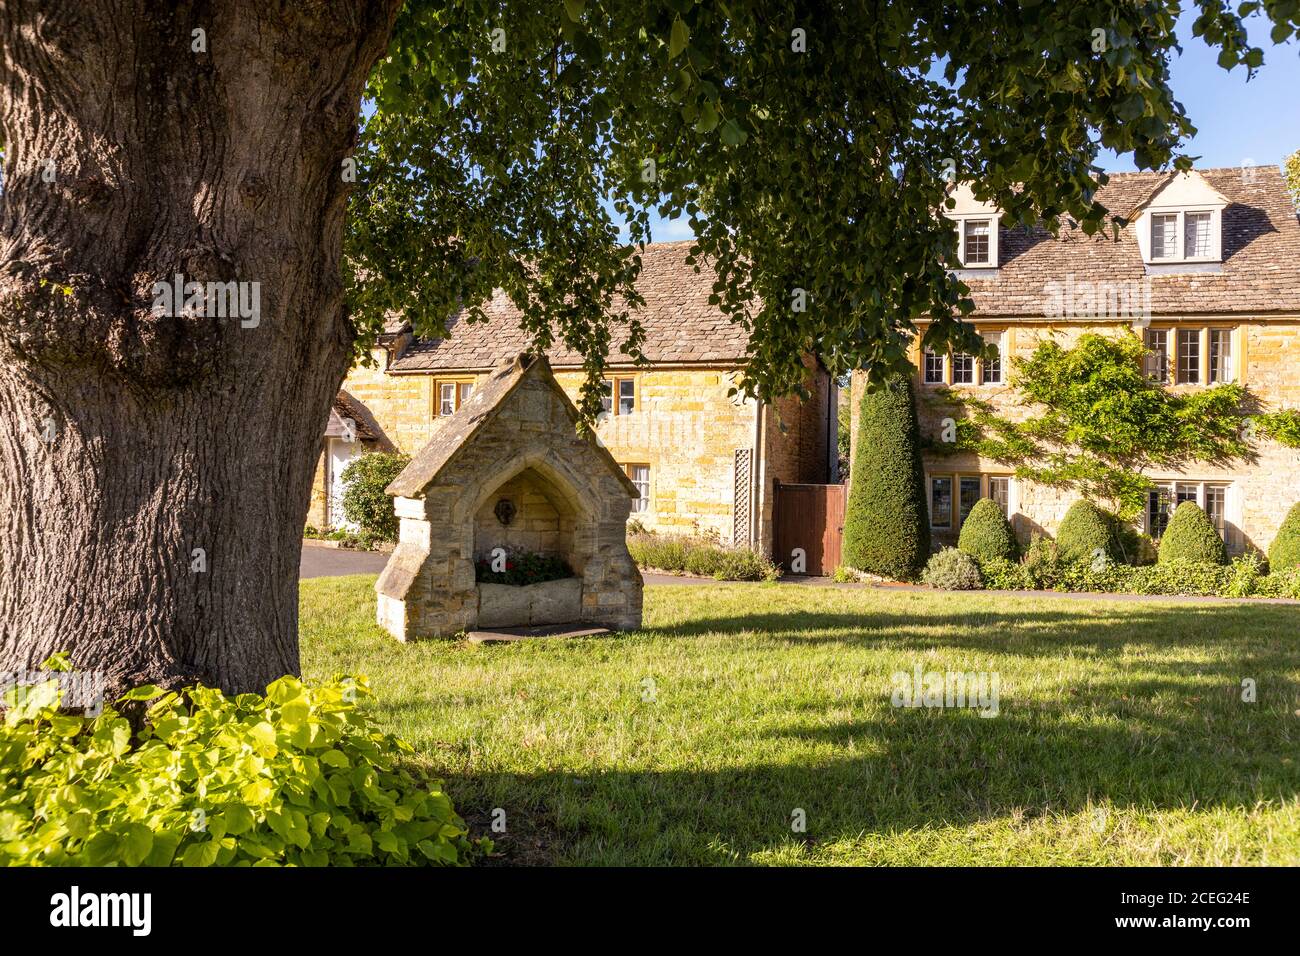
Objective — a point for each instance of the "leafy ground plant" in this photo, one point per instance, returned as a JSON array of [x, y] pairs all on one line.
[[300, 776]]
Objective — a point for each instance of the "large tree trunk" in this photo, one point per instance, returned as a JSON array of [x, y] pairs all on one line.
[[155, 469]]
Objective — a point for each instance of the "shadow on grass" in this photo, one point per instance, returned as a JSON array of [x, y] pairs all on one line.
[[1167, 740], [1104, 628], [915, 770]]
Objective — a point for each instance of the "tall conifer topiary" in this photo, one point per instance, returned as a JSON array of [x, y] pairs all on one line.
[[886, 522]]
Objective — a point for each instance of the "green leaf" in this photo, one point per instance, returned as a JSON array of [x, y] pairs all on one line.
[[238, 819], [57, 662], [263, 736], [201, 854], [574, 9], [732, 134], [708, 120], [145, 692], [679, 38], [137, 844]]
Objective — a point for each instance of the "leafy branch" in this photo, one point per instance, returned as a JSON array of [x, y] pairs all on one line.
[[1100, 423]]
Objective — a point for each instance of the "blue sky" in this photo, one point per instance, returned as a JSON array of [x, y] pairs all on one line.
[[1238, 122]]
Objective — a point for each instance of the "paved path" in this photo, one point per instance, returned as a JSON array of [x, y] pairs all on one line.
[[320, 561]]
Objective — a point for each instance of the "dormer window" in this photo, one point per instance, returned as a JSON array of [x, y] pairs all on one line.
[[1180, 226], [976, 223]]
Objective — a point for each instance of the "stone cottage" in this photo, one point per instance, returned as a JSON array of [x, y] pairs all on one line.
[[703, 462], [509, 470], [1206, 271]]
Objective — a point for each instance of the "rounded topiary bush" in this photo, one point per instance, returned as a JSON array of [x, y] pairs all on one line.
[[953, 570], [1084, 530], [365, 501], [1191, 537], [1284, 552], [986, 534], [886, 522]]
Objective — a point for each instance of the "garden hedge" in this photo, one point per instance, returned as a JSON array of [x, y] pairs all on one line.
[[1085, 531], [986, 533], [1191, 537], [365, 501], [1241, 579], [886, 522], [1284, 552]]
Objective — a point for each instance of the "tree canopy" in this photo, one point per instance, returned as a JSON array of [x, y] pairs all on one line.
[[811, 146]]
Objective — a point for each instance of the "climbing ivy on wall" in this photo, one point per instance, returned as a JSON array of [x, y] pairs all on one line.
[[1098, 424]]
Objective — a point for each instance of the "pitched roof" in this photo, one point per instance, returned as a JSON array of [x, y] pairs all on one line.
[[474, 414], [1260, 274], [347, 408], [679, 322], [1261, 249]]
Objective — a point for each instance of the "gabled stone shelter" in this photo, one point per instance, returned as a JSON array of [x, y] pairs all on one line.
[[509, 470]]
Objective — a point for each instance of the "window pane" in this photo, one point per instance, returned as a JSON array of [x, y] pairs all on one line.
[[963, 369], [1158, 508], [1157, 361], [626, 396], [1186, 491], [940, 502], [1189, 356], [1216, 497], [446, 398], [977, 241], [1196, 234], [1221, 369], [465, 388], [933, 368], [607, 399], [640, 475], [1164, 236], [970, 493], [1000, 492], [993, 367]]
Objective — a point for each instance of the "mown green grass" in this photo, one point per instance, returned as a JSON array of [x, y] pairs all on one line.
[[1122, 737]]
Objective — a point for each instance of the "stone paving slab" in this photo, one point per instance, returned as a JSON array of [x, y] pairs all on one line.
[[506, 634]]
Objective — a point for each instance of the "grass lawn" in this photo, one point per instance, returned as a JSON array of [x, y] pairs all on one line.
[[1122, 737]]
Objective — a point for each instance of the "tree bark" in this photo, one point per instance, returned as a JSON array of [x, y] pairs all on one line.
[[155, 469]]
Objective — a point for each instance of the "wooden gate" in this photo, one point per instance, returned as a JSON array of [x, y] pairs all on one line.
[[810, 517]]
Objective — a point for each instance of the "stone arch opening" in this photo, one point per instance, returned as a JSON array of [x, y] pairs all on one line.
[[528, 511]]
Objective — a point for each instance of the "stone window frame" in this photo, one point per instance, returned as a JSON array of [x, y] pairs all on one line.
[[1174, 491], [954, 479], [616, 379], [649, 484], [977, 374], [1180, 218], [992, 221], [459, 381], [1206, 373]]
